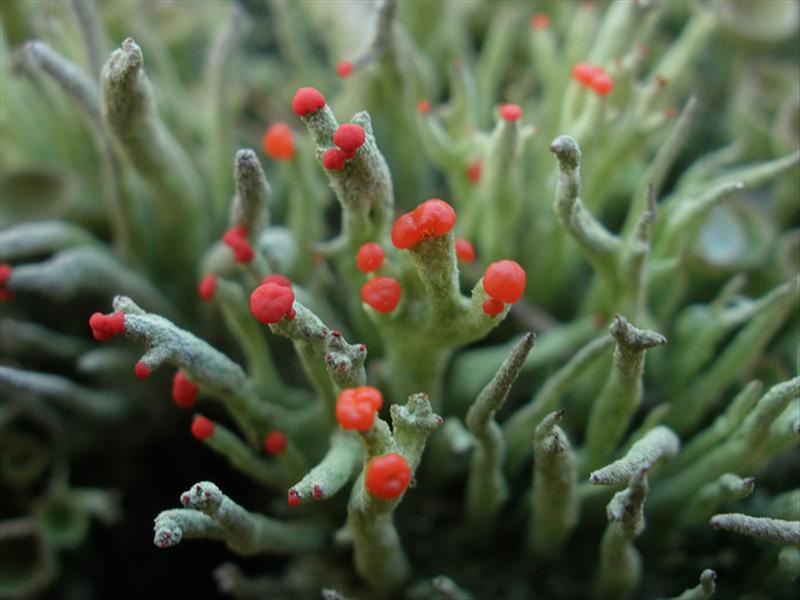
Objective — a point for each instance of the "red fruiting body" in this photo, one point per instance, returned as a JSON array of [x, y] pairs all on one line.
[[278, 142], [184, 392], [307, 100], [207, 287], [602, 84], [387, 476], [464, 251], [585, 72], [474, 170], [355, 407], [236, 239], [381, 293], [349, 137], [511, 112], [270, 302], [492, 307], [5, 273], [540, 21], [432, 218], [369, 257], [142, 370], [105, 327], [363, 394], [404, 232], [293, 499], [202, 428], [276, 278], [333, 159], [275, 442], [344, 68], [504, 280], [354, 415], [317, 491], [423, 107]]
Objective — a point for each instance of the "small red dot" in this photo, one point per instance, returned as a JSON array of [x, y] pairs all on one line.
[[492, 307], [278, 142], [207, 287], [381, 293], [344, 68], [142, 370], [370, 257], [465, 251], [423, 107], [333, 159], [202, 428], [602, 84], [474, 170], [275, 442], [307, 100], [293, 499], [540, 21], [511, 112]]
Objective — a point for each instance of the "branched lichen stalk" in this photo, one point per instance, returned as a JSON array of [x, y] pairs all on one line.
[[203, 364], [555, 498], [600, 246], [379, 557], [620, 563], [487, 489], [612, 411], [213, 514]]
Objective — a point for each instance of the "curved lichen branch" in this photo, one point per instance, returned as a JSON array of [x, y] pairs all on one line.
[[29, 240], [487, 489], [85, 269], [601, 247], [726, 489], [702, 591], [762, 528], [130, 114], [64, 392], [83, 89], [555, 507], [211, 514], [333, 472], [202, 364], [657, 445]]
